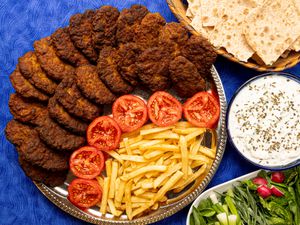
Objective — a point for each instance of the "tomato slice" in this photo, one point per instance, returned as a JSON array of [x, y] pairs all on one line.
[[87, 162], [104, 133], [130, 112], [202, 110], [84, 193], [163, 109]]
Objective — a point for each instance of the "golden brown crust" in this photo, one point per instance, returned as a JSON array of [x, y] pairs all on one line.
[[71, 99], [55, 68], [153, 65], [172, 37], [58, 113], [58, 138], [146, 33], [26, 111], [108, 71], [24, 88], [200, 52], [105, 26], [39, 174], [81, 33], [32, 71], [92, 87], [127, 21], [185, 77], [128, 55], [65, 48], [32, 149]]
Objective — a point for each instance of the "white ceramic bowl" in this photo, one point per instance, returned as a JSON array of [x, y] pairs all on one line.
[[220, 189]]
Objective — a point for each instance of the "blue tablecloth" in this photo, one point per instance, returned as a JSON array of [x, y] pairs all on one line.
[[22, 22]]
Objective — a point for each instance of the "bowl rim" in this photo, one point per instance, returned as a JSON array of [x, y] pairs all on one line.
[[230, 182], [274, 168]]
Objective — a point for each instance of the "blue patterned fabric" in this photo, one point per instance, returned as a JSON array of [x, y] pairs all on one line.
[[22, 22]]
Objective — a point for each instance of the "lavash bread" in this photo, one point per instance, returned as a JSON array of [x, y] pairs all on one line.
[[229, 32], [210, 11], [272, 28]]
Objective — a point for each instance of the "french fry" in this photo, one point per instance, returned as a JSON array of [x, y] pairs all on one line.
[[113, 209], [152, 174], [163, 147], [155, 130], [141, 209], [155, 206], [170, 183], [148, 195], [146, 145], [143, 170], [194, 134], [105, 195], [100, 180], [184, 156], [207, 151], [183, 124], [186, 131], [153, 154], [134, 158], [181, 185], [115, 155], [130, 141], [120, 191], [195, 146], [127, 198], [139, 191], [108, 167], [147, 184], [157, 182], [168, 134], [114, 173]]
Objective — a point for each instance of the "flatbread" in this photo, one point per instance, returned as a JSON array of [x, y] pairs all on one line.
[[272, 29], [229, 32], [193, 8], [211, 14]]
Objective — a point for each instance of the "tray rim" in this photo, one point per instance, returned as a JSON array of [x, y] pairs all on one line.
[[171, 209]]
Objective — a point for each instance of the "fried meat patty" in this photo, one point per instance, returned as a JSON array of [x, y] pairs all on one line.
[[39, 174], [58, 113], [200, 52], [25, 88], [92, 87], [108, 71], [31, 148], [65, 48], [128, 55], [54, 67], [32, 71], [81, 33], [185, 77], [26, 111], [127, 21], [105, 26], [173, 36], [57, 137], [153, 66], [146, 33], [72, 100]]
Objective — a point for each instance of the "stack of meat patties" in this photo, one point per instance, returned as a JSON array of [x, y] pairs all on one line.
[[63, 84]]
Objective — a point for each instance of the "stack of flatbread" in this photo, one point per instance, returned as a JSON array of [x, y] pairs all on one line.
[[269, 28]]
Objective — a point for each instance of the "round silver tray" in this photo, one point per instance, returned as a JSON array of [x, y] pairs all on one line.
[[58, 195]]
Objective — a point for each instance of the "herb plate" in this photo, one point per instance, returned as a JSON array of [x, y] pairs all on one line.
[[220, 189]]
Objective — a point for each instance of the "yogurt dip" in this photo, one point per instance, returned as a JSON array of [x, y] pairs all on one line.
[[264, 120]]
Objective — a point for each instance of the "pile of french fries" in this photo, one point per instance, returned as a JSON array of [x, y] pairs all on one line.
[[150, 163]]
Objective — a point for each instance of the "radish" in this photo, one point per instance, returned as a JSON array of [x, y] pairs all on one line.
[[277, 177], [260, 181], [264, 191], [275, 191]]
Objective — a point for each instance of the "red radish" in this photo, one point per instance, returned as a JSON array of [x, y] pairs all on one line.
[[264, 191], [260, 181], [277, 177], [276, 192]]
